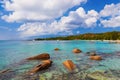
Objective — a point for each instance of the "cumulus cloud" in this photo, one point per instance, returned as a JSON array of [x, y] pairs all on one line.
[[37, 10], [40, 16], [112, 22], [37, 28], [110, 15], [80, 18], [75, 19]]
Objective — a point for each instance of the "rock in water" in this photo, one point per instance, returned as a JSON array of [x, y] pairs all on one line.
[[47, 61], [56, 49], [69, 65], [95, 57], [76, 50], [101, 76], [4, 71], [118, 54], [45, 65], [91, 53], [43, 56]]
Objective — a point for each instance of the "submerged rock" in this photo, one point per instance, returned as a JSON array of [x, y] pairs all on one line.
[[43, 56], [42, 77], [56, 49], [91, 53], [69, 65], [96, 58], [45, 65], [97, 75], [76, 50], [118, 54], [4, 71]]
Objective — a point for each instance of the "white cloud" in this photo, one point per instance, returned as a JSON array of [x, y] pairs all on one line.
[[40, 16], [66, 24], [112, 22], [110, 15], [110, 10], [80, 18], [37, 10], [37, 28]]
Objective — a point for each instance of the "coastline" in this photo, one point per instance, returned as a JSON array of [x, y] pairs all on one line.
[[111, 41], [86, 68]]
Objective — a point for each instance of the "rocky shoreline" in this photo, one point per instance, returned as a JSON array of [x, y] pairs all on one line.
[[83, 66]]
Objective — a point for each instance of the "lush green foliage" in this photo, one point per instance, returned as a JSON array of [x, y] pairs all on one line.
[[88, 36]]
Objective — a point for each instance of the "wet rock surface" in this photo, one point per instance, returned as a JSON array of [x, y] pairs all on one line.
[[44, 65], [56, 49], [69, 65], [76, 50], [42, 56], [98, 58]]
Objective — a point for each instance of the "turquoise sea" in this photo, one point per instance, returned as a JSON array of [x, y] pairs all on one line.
[[13, 53]]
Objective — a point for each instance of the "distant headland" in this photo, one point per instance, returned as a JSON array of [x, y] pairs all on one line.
[[114, 35]]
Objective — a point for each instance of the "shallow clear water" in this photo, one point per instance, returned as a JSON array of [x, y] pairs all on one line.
[[12, 52]]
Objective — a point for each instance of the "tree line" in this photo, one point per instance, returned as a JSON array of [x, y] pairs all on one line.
[[114, 35]]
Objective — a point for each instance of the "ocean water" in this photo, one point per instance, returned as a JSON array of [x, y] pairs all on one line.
[[13, 52]]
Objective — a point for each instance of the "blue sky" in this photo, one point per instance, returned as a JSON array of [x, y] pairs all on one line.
[[21, 19]]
